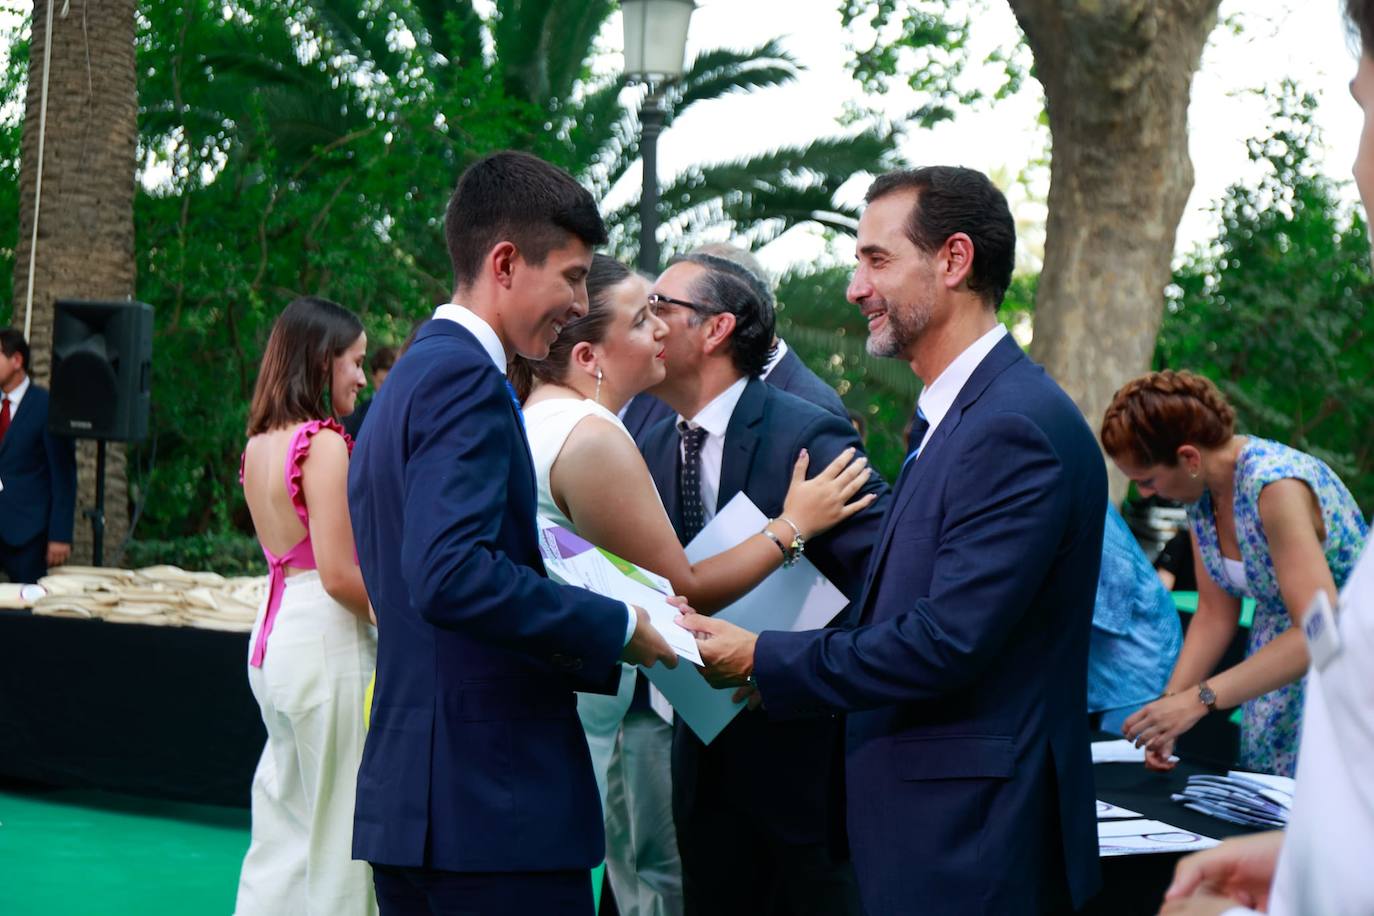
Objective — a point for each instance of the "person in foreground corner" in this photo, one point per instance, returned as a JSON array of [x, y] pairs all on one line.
[[963, 670], [476, 792]]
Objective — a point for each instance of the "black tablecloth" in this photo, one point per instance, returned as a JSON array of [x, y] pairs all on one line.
[[160, 711], [1136, 884]]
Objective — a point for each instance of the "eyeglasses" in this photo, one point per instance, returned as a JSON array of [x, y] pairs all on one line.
[[655, 300]]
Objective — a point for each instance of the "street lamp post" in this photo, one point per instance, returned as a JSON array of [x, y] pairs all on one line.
[[655, 45]]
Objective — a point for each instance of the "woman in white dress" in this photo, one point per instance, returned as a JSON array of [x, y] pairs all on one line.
[[579, 445]]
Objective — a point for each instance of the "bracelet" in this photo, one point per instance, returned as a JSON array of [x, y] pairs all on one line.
[[776, 540], [793, 525]]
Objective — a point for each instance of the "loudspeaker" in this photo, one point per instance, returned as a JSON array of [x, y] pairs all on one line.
[[102, 356]]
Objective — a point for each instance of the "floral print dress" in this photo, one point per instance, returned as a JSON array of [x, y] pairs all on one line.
[[1270, 723]]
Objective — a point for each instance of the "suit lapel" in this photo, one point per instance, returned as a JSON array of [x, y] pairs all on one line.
[[661, 455], [1002, 356], [741, 441]]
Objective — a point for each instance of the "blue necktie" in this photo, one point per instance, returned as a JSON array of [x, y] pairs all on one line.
[[919, 427]]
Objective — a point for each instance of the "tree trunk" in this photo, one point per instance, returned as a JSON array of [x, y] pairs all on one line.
[[85, 244], [1117, 76]]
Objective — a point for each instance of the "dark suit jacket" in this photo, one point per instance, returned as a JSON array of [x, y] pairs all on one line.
[[970, 787], [795, 377], [790, 374], [781, 772], [475, 760], [38, 471]]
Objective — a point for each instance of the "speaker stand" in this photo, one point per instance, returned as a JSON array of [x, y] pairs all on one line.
[[97, 515]]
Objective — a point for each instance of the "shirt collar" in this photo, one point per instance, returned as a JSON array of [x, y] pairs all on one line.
[[17, 394], [778, 353], [715, 416], [468, 319], [938, 397]]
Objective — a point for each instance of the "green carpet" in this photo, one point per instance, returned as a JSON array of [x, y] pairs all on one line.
[[69, 852]]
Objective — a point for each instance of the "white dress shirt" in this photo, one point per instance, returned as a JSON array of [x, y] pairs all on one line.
[[715, 419], [938, 397], [17, 395], [467, 318], [776, 358]]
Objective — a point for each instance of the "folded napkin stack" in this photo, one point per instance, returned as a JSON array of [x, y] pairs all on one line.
[[155, 596]]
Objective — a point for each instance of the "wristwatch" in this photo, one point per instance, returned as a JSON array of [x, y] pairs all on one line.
[[1207, 696]]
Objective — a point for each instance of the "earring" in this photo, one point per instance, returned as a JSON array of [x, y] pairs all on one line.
[[597, 396], [1193, 474]]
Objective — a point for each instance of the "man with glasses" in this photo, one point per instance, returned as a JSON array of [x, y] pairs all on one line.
[[754, 814]]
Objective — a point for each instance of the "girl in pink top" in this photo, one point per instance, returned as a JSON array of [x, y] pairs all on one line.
[[313, 647]]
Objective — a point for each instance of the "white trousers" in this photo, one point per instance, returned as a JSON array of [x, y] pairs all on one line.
[[310, 689]]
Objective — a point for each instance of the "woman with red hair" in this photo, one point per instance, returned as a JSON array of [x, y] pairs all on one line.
[[1270, 523]]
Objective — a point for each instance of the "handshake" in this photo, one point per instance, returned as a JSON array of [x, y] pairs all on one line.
[[727, 651]]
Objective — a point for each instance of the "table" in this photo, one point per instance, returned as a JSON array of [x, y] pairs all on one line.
[[1136, 884], [147, 710]]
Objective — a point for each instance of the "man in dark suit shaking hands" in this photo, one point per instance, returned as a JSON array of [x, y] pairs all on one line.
[[37, 472], [969, 784], [476, 791], [753, 809]]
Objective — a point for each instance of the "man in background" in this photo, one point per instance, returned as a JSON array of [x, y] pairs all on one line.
[[37, 472]]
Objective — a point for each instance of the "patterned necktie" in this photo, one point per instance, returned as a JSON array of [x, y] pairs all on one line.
[[919, 427], [689, 480], [4, 417]]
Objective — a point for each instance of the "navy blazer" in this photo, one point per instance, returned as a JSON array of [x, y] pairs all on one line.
[[969, 778], [475, 760], [38, 471], [785, 770]]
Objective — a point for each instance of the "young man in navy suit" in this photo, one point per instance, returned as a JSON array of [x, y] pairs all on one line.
[[754, 809], [37, 472], [967, 766], [475, 791]]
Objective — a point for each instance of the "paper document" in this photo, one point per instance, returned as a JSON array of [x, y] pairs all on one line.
[[1248, 799], [572, 560], [1106, 811], [1122, 751], [800, 598], [1130, 838]]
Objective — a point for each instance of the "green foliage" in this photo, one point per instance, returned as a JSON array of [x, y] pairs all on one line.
[[1277, 312], [292, 147], [228, 554]]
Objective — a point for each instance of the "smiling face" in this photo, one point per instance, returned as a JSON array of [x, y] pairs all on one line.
[[543, 298], [346, 377], [894, 285], [632, 353]]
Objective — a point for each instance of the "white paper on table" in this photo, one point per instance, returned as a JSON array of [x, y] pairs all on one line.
[[1106, 811], [1129, 838], [1278, 789], [1122, 751]]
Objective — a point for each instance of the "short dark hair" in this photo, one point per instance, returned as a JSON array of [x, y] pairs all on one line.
[[293, 380], [1359, 17], [606, 273], [383, 359], [516, 197], [951, 199], [726, 286], [12, 341]]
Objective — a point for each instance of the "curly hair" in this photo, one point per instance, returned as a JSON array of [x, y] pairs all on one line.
[[1151, 416]]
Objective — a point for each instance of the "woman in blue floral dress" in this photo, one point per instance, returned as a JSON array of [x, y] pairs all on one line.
[[1270, 523]]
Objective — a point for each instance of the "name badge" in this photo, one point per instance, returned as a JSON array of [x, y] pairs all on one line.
[[1319, 626]]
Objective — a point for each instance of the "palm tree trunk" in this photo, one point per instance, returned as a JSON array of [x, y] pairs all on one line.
[[85, 241]]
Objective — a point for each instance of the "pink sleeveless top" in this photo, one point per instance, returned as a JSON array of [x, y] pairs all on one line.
[[301, 556]]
